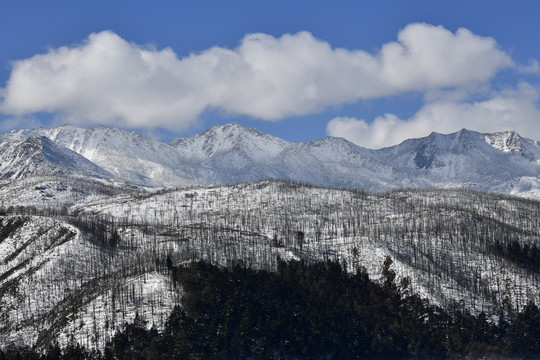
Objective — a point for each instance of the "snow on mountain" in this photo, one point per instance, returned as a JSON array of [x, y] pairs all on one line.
[[70, 228], [501, 162], [56, 192], [232, 154], [53, 286], [38, 155], [103, 259], [511, 141], [219, 140], [127, 155], [462, 159]]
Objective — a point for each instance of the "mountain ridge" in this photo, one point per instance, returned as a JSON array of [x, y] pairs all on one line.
[[231, 153]]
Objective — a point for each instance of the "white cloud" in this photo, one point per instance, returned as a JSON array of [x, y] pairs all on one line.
[[515, 109], [429, 57], [108, 80], [531, 68]]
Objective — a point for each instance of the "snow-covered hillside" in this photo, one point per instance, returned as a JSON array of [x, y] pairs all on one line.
[[59, 283], [501, 162], [443, 240], [104, 258]]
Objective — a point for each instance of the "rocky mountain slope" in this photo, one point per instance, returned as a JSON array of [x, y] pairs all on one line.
[[40, 156], [230, 154]]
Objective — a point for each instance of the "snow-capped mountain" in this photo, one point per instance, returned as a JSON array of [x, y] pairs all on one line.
[[501, 162], [38, 156], [128, 156]]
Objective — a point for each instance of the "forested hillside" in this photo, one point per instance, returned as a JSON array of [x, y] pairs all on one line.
[[306, 311], [77, 265]]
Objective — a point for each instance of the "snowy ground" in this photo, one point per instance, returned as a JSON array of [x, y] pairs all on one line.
[[65, 276]]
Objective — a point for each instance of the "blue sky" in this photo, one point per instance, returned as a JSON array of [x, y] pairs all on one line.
[[373, 72]]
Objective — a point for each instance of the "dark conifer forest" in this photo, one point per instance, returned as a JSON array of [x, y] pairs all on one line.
[[315, 311]]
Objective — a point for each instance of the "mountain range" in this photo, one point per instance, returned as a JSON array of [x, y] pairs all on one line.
[[93, 220], [501, 162]]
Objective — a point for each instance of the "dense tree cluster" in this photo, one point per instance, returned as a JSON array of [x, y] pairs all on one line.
[[525, 255], [308, 312]]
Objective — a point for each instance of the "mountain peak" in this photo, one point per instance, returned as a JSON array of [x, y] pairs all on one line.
[[240, 142], [37, 155], [232, 128], [232, 125], [506, 141]]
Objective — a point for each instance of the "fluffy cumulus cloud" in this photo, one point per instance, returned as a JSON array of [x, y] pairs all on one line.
[[512, 109], [108, 80]]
